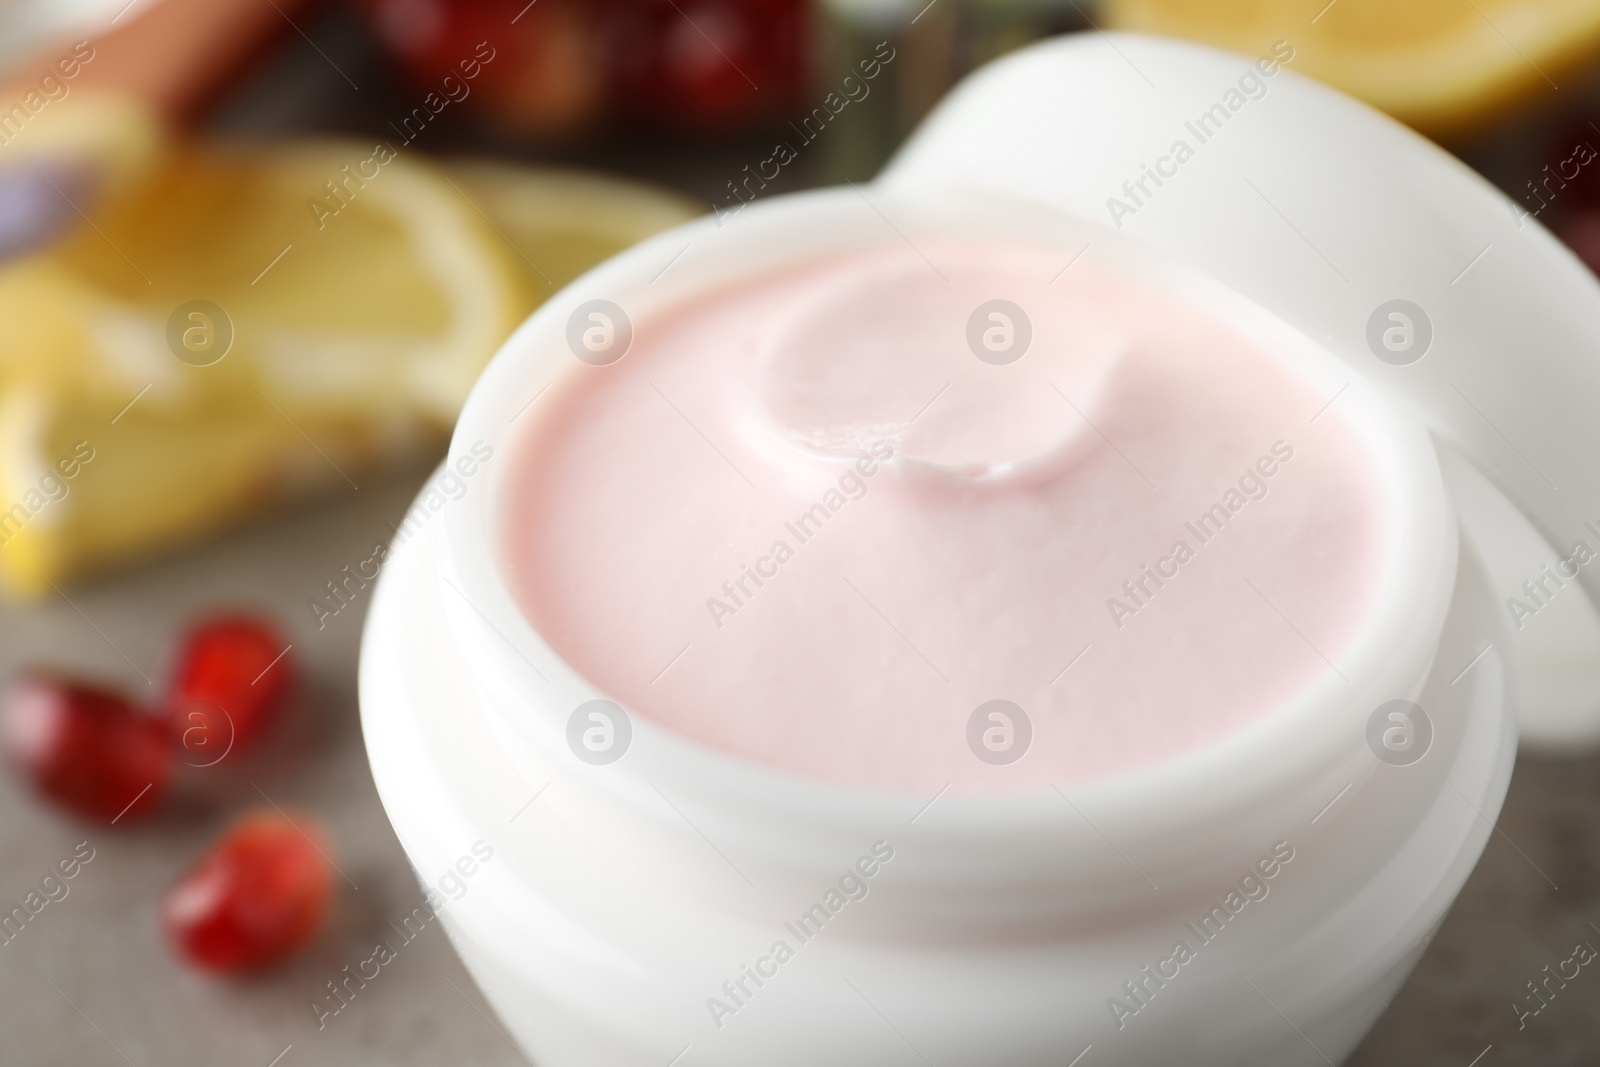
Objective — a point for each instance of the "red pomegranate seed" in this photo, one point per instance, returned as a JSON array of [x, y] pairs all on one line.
[[234, 674], [87, 748], [260, 893]]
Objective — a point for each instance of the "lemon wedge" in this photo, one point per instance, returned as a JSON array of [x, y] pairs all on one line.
[[109, 137], [245, 325], [1445, 67], [566, 221]]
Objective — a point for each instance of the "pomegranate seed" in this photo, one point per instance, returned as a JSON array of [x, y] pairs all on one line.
[[260, 893], [87, 748], [1581, 232], [233, 676]]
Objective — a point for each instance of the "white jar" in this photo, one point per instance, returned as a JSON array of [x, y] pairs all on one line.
[[634, 909]]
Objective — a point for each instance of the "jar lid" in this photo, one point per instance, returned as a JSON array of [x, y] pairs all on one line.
[[1413, 270]]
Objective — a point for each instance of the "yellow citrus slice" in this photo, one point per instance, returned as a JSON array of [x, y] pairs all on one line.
[[109, 137], [244, 325], [1444, 67], [562, 222]]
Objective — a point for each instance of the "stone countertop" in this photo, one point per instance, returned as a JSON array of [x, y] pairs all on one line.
[[1534, 896], [90, 981]]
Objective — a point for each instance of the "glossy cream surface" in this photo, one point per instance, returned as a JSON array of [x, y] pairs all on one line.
[[818, 519]]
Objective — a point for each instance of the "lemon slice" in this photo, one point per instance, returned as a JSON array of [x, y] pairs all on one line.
[[247, 325], [110, 137], [562, 222], [1441, 66]]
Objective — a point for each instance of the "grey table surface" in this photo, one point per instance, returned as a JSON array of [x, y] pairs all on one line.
[[90, 981]]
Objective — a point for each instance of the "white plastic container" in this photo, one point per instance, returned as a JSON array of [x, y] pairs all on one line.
[[635, 908]]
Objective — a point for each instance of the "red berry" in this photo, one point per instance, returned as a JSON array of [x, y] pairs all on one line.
[[696, 64], [87, 748], [1581, 231], [233, 676], [260, 893]]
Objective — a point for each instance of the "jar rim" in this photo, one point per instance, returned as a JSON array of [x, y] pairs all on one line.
[[1324, 725]]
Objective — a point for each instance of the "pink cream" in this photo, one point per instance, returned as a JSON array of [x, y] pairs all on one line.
[[803, 522]]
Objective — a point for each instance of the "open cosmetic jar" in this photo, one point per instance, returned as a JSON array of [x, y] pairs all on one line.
[[709, 884]]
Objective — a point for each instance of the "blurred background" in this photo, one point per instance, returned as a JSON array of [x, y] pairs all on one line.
[[253, 254]]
